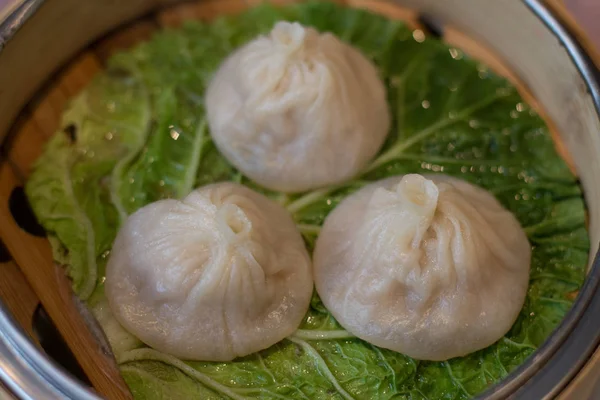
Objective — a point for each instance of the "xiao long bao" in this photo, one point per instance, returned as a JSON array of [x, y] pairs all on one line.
[[221, 274], [296, 110], [432, 267]]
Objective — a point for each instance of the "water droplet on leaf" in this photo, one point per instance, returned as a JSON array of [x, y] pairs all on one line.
[[473, 123], [419, 36], [455, 54]]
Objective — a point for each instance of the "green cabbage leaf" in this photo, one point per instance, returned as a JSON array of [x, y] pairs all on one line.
[[138, 133]]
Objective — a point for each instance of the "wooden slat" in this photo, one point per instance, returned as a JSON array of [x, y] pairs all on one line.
[[205, 10], [42, 118], [49, 105], [388, 9], [53, 288], [18, 296], [125, 38], [46, 111], [79, 73], [26, 146]]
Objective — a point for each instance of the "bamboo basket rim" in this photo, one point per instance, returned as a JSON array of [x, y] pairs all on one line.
[[556, 13]]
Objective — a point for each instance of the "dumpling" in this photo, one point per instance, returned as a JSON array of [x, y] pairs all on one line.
[[296, 110], [220, 274], [432, 267]]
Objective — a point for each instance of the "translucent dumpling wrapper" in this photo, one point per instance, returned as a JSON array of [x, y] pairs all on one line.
[[221, 274], [296, 110], [432, 267]]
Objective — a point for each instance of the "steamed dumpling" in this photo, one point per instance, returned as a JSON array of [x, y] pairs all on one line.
[[221, 274], [296, 110], [432, 267]]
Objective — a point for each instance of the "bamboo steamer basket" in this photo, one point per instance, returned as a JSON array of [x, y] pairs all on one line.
[[50, 49]]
